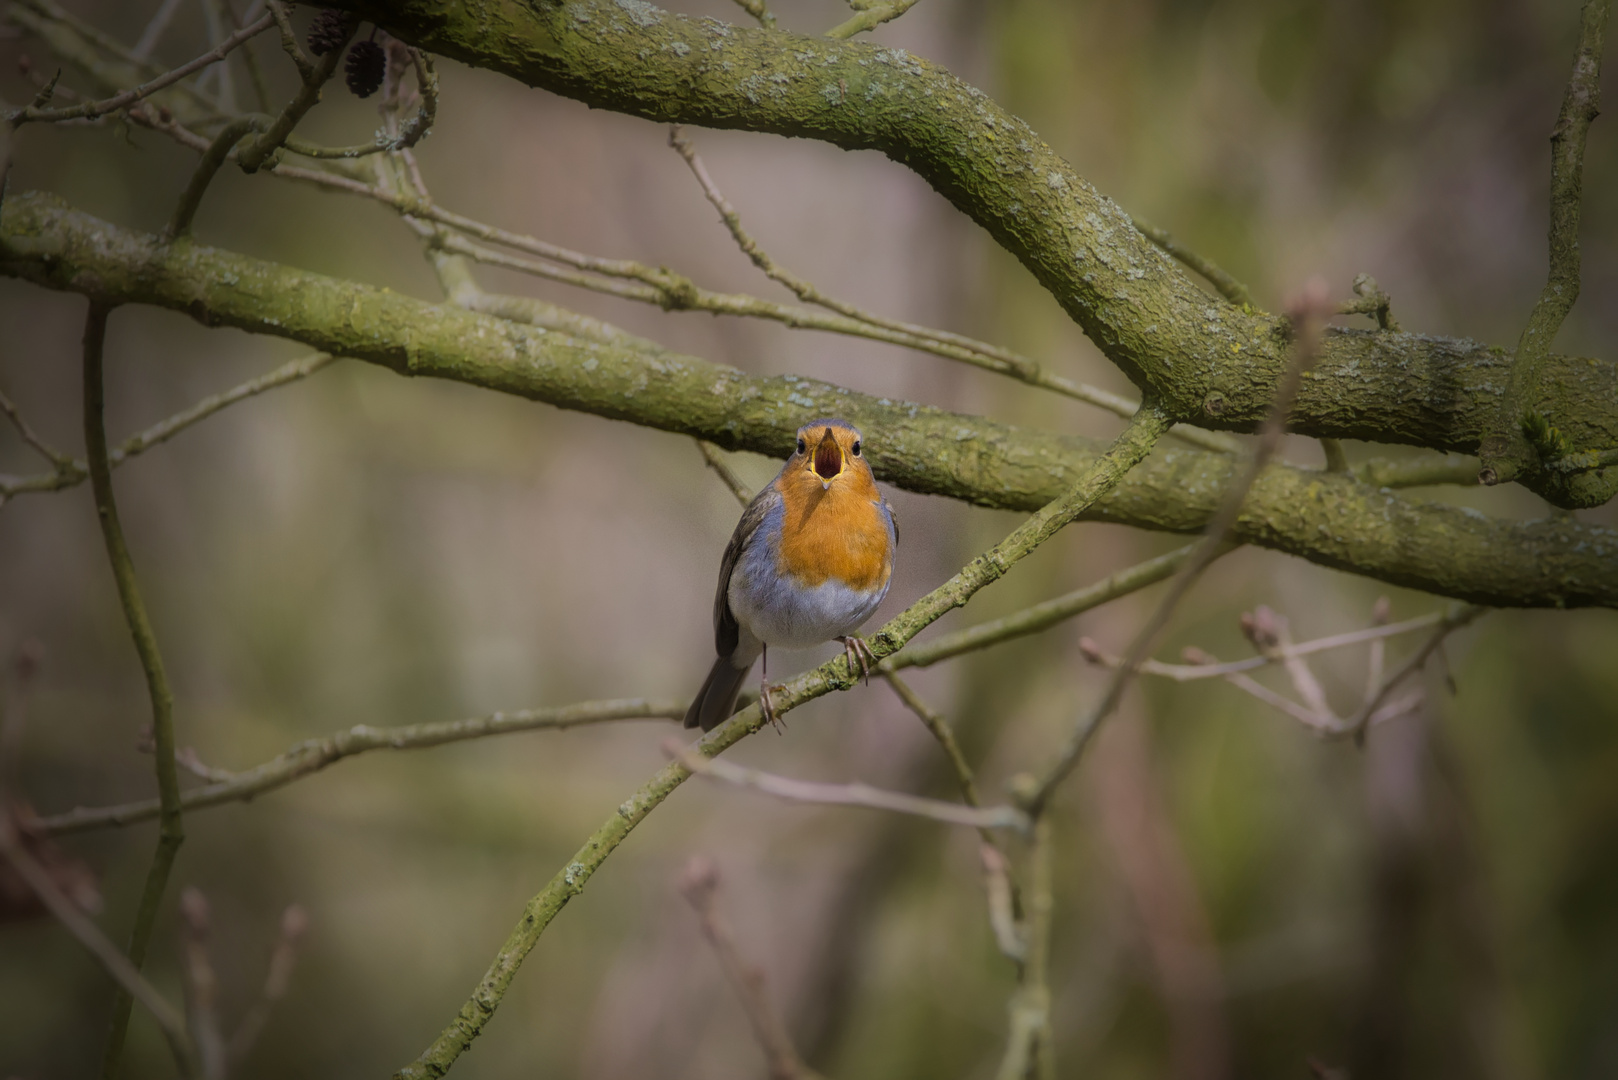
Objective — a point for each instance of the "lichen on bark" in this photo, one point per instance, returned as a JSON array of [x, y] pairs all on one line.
[[1330, 519], [1208, 362]]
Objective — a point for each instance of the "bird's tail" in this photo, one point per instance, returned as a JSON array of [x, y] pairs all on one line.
[[717, 699]]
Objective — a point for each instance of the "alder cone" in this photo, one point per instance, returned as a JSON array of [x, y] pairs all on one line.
[[326, 32], [367, 63]]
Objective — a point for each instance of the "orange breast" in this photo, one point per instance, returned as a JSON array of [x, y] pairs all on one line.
[[838, 534]]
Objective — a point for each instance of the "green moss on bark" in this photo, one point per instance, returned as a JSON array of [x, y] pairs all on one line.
[[1329, 519]]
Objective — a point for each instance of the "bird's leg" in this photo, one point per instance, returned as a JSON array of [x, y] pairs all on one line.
[[859, 657], [766, 706]]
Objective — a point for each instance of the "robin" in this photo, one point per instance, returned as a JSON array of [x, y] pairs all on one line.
[[809, 562]]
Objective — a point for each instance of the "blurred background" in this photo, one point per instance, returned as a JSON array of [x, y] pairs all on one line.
[[1234, 897]]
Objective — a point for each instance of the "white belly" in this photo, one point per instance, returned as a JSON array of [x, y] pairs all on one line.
[[790, 616]]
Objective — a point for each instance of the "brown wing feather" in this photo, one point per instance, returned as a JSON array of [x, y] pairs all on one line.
[[726, 632]]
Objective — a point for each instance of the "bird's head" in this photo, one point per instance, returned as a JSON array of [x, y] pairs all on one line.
[[829, 452]]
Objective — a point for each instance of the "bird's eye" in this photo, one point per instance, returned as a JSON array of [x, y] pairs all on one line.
[[856, 448], [802, 446]]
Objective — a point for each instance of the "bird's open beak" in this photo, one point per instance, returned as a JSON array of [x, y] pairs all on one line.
[[828, 459]]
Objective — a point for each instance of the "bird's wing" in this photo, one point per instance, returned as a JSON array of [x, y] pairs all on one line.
[[726, 632]]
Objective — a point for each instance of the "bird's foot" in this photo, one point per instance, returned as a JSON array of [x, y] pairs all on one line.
[[767, 706], [859, 656]]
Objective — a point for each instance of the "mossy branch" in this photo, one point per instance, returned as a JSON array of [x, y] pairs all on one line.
[[1332, 520], [1206, 363]]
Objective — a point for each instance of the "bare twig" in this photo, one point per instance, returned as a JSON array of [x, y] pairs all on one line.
[[171, 834], [92, 109], [1226, 285], [212, 160], [154, 29], [313, 755], [1307, 314], [1030, 1043], [55, 457], [699, 884], [856, 794], [1457, 616], [1505, 451], [411, 134], [124, 973], [1040, 616], [253, 156], [870, 18], [289, 40], [294, 924], [676, 292], [201, 985], [757, 9], [1372, 301], [1191, 672], [710, 455], [943, 733], [1001, 891], [958, 346], [73, 472]]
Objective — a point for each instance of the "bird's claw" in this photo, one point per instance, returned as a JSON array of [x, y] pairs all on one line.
[[859, 657], [767, 707]]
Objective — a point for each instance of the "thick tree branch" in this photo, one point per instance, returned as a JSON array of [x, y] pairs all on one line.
[[1207, 363], [1329, 519]]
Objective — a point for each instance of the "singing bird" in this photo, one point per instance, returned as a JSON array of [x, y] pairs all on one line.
[[809, 562]]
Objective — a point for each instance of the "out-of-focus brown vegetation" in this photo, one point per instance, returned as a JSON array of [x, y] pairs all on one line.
[[1234, 897]]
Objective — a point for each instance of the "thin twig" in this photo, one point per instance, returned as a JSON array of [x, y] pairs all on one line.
[[124, 973], [312, 755], [171, 833], [277, 131], [55, 457], [1505, 451], [294, 924], [289, 40], [412, 133], [699, 884], [1307, 315], [74, 472], [212, 160], [1226, 285], [757, 9], [92, 109], [1041, 616], [1030, 1044], [676, 292], [942, 732], [201, 985], [1193, 672], [710, 455], [1456, 617], [855, 794], [870, 18], [960, 347], [154, 29], [1372, 301]]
